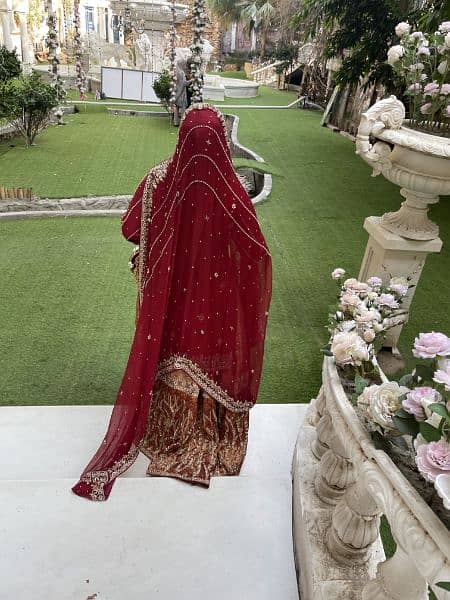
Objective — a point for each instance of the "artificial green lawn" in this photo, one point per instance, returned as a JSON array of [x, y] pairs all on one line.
[[67, 300]]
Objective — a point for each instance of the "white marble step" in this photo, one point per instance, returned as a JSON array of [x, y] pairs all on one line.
[[155, 538], [56, 442]]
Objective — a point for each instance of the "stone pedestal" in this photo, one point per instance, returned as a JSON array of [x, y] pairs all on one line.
[[389, 255]]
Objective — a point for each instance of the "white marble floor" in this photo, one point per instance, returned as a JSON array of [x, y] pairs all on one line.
[[155, 537]]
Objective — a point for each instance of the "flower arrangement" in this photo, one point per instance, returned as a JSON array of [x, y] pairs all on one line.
[[417, 407], [423, 62], [410, 417], [358, 324]]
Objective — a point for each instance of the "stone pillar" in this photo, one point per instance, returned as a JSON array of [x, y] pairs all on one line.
[[336, 472], [6, 28], [387, 254], [233, 37], [355, 526], [27, 52]]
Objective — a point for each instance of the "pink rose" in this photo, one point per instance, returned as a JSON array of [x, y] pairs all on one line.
[[445, 89], [442, 375], [417, 35], [430, 345], [433, 459], [423, 51], [444, 27], [375, 282], [415, 400], [431, 89], [386, 301], [358, 287], [425, 109], [399, 286], [415, 87], [349, 302]]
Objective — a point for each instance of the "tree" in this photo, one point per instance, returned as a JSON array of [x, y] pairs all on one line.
[[360, 32], [27, 102], [286, 53], [227, 11], [9, 64], [259, 16]]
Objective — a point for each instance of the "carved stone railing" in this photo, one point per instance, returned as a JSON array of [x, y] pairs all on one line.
[[338, 498]]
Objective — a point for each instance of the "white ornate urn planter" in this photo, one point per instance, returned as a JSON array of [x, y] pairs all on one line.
[[337, 502], [418, 162]]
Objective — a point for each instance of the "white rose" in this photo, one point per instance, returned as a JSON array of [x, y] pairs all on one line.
[[347, 325], [447, 40], [442, 67], [368, 316], [337, 273], [402, 28], [385, 402], [349, 348], [378, 327], [394, 54], [364, 400], [372, 296], [369, 335]]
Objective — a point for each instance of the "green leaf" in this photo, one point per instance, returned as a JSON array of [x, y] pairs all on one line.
[[354, 398], [439, 409], [445, 585], [403, 414], [425, 372], [379, 441], [325, 350], [406, 426], [360, 384], [406, 380], [430, 433]]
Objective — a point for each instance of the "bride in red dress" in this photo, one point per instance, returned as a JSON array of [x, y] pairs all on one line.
[[204, 278]]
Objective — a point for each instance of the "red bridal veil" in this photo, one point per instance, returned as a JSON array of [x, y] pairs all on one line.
[[204, 291]]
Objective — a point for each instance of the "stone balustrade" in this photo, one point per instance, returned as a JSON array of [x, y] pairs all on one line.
[[341, 486]]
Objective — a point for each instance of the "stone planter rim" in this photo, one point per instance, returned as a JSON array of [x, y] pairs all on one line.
[[427, 519], [420, 141]]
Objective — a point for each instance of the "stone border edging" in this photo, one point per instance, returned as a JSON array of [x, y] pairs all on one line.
[[109, 206]]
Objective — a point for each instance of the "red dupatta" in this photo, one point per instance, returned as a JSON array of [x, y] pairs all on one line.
[[204, 290]]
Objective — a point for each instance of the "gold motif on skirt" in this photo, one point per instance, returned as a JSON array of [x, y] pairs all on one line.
[[190, 435]]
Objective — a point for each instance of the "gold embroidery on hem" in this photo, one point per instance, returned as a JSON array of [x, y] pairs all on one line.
[[98, 479], [212, 388]]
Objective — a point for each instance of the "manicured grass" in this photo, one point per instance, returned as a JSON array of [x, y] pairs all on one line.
[[232, 74], [67, 300]]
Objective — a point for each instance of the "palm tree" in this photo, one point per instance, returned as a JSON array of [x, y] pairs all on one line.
[[259, 17], [227, 11]]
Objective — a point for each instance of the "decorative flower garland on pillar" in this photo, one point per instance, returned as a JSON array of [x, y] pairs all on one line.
[[198, 24], [52, 43], [172, 54], [81, 77]]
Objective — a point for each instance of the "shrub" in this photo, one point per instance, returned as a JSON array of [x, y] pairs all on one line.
[[162, 88], [9, 64], [27, 102]]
